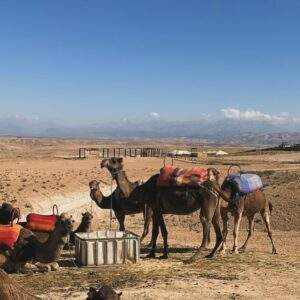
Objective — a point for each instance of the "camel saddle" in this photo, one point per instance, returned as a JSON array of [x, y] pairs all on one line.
[[172, 176], [43, 223], [245, 183], [9, 234]]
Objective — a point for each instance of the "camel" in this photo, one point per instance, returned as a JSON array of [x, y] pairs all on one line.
[[7, 213], [84, 226], [29, 248], [120, 205], [11, 290], [104, 293], [173, 200], [248, 205]]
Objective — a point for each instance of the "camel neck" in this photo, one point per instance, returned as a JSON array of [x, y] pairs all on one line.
[[101, 200], [123, 183]]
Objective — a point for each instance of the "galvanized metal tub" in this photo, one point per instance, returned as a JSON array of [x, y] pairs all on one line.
[[106, 247]]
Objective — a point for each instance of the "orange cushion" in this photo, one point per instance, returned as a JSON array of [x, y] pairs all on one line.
[[37, 222], [170, 175], [9, 234]]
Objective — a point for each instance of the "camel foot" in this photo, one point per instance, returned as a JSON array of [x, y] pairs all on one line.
[[242, 250], [274, 251], [43, 267], [164, 256], [209, 255], [150, 255], [149, 246], [54, 266], [203, 248], [222, 252], [235, 251]]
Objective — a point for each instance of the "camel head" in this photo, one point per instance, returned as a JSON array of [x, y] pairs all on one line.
[[228, 188], [114, 165], [104, 293], [94, 185], [64, 226], [87, 218], [213, 174]]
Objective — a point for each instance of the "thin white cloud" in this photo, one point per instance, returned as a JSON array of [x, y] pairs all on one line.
[[253, 115], [154, 115]]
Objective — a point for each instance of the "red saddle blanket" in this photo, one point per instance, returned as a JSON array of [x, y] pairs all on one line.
[[37, 222], [171, 176], [9, 234]]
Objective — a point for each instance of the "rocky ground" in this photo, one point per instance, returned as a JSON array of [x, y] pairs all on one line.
[[41, 171]]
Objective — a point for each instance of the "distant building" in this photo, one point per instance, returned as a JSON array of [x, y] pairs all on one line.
[[216, 153]]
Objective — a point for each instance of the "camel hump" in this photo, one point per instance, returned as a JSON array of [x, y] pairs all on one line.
[[171, 176]]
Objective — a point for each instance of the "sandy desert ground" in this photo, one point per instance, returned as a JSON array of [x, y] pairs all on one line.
[[37, 172]]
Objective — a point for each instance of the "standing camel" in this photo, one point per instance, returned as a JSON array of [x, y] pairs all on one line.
[[173, 200], [119, 204], [248, 205]]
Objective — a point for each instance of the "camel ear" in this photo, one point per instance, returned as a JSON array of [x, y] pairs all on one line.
[[119, 294], [82, 214], [120, 160]]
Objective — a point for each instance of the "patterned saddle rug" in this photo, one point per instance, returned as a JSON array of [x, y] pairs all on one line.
[[245, 183], [9, 234], [172, 176]]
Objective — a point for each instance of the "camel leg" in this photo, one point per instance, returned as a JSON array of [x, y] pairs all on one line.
[[207, 215], [205, 242], [147, 220], [266, 218], [218, 232], [237, 222], [121, 220], [155, 231], [164, 234], [250, 232], [225, 219]]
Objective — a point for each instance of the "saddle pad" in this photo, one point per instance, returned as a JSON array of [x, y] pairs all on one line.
[[171, 176], [246, 183], [37, 222], [9, 234]]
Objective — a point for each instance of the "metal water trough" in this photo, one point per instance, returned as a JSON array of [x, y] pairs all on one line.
[[106, 247]]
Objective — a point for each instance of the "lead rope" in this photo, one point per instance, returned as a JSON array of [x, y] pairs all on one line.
[[111, 200]]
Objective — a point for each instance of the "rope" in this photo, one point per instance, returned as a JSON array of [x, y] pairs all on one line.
[[111, 200]]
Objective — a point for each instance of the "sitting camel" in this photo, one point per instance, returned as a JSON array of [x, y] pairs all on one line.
[[248, 205], [11, 290], [84, 226], [7, 213], [28, 248], [172, 200], [104, 293]]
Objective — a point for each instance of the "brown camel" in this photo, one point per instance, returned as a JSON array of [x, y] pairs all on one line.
[[104, 293], [120, 205], [29, 248], [173, 200], [11, 290], [248, 205], [84, 226]]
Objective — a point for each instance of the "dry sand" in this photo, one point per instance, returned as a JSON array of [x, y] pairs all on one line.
[[35, 173]]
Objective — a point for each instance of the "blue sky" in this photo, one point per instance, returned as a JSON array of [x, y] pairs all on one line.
[[79, 62]]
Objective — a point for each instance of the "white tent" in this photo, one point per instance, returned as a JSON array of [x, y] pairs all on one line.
[[180, 153], [221, 152]]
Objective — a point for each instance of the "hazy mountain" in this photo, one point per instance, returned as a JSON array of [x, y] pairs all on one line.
[[208, 131]]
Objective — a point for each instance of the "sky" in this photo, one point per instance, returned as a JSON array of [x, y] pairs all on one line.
[[81, 62]]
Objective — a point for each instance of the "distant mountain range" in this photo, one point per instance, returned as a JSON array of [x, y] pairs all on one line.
[[204, 131]]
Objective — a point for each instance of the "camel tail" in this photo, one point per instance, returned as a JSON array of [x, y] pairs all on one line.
[[270, 207]]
